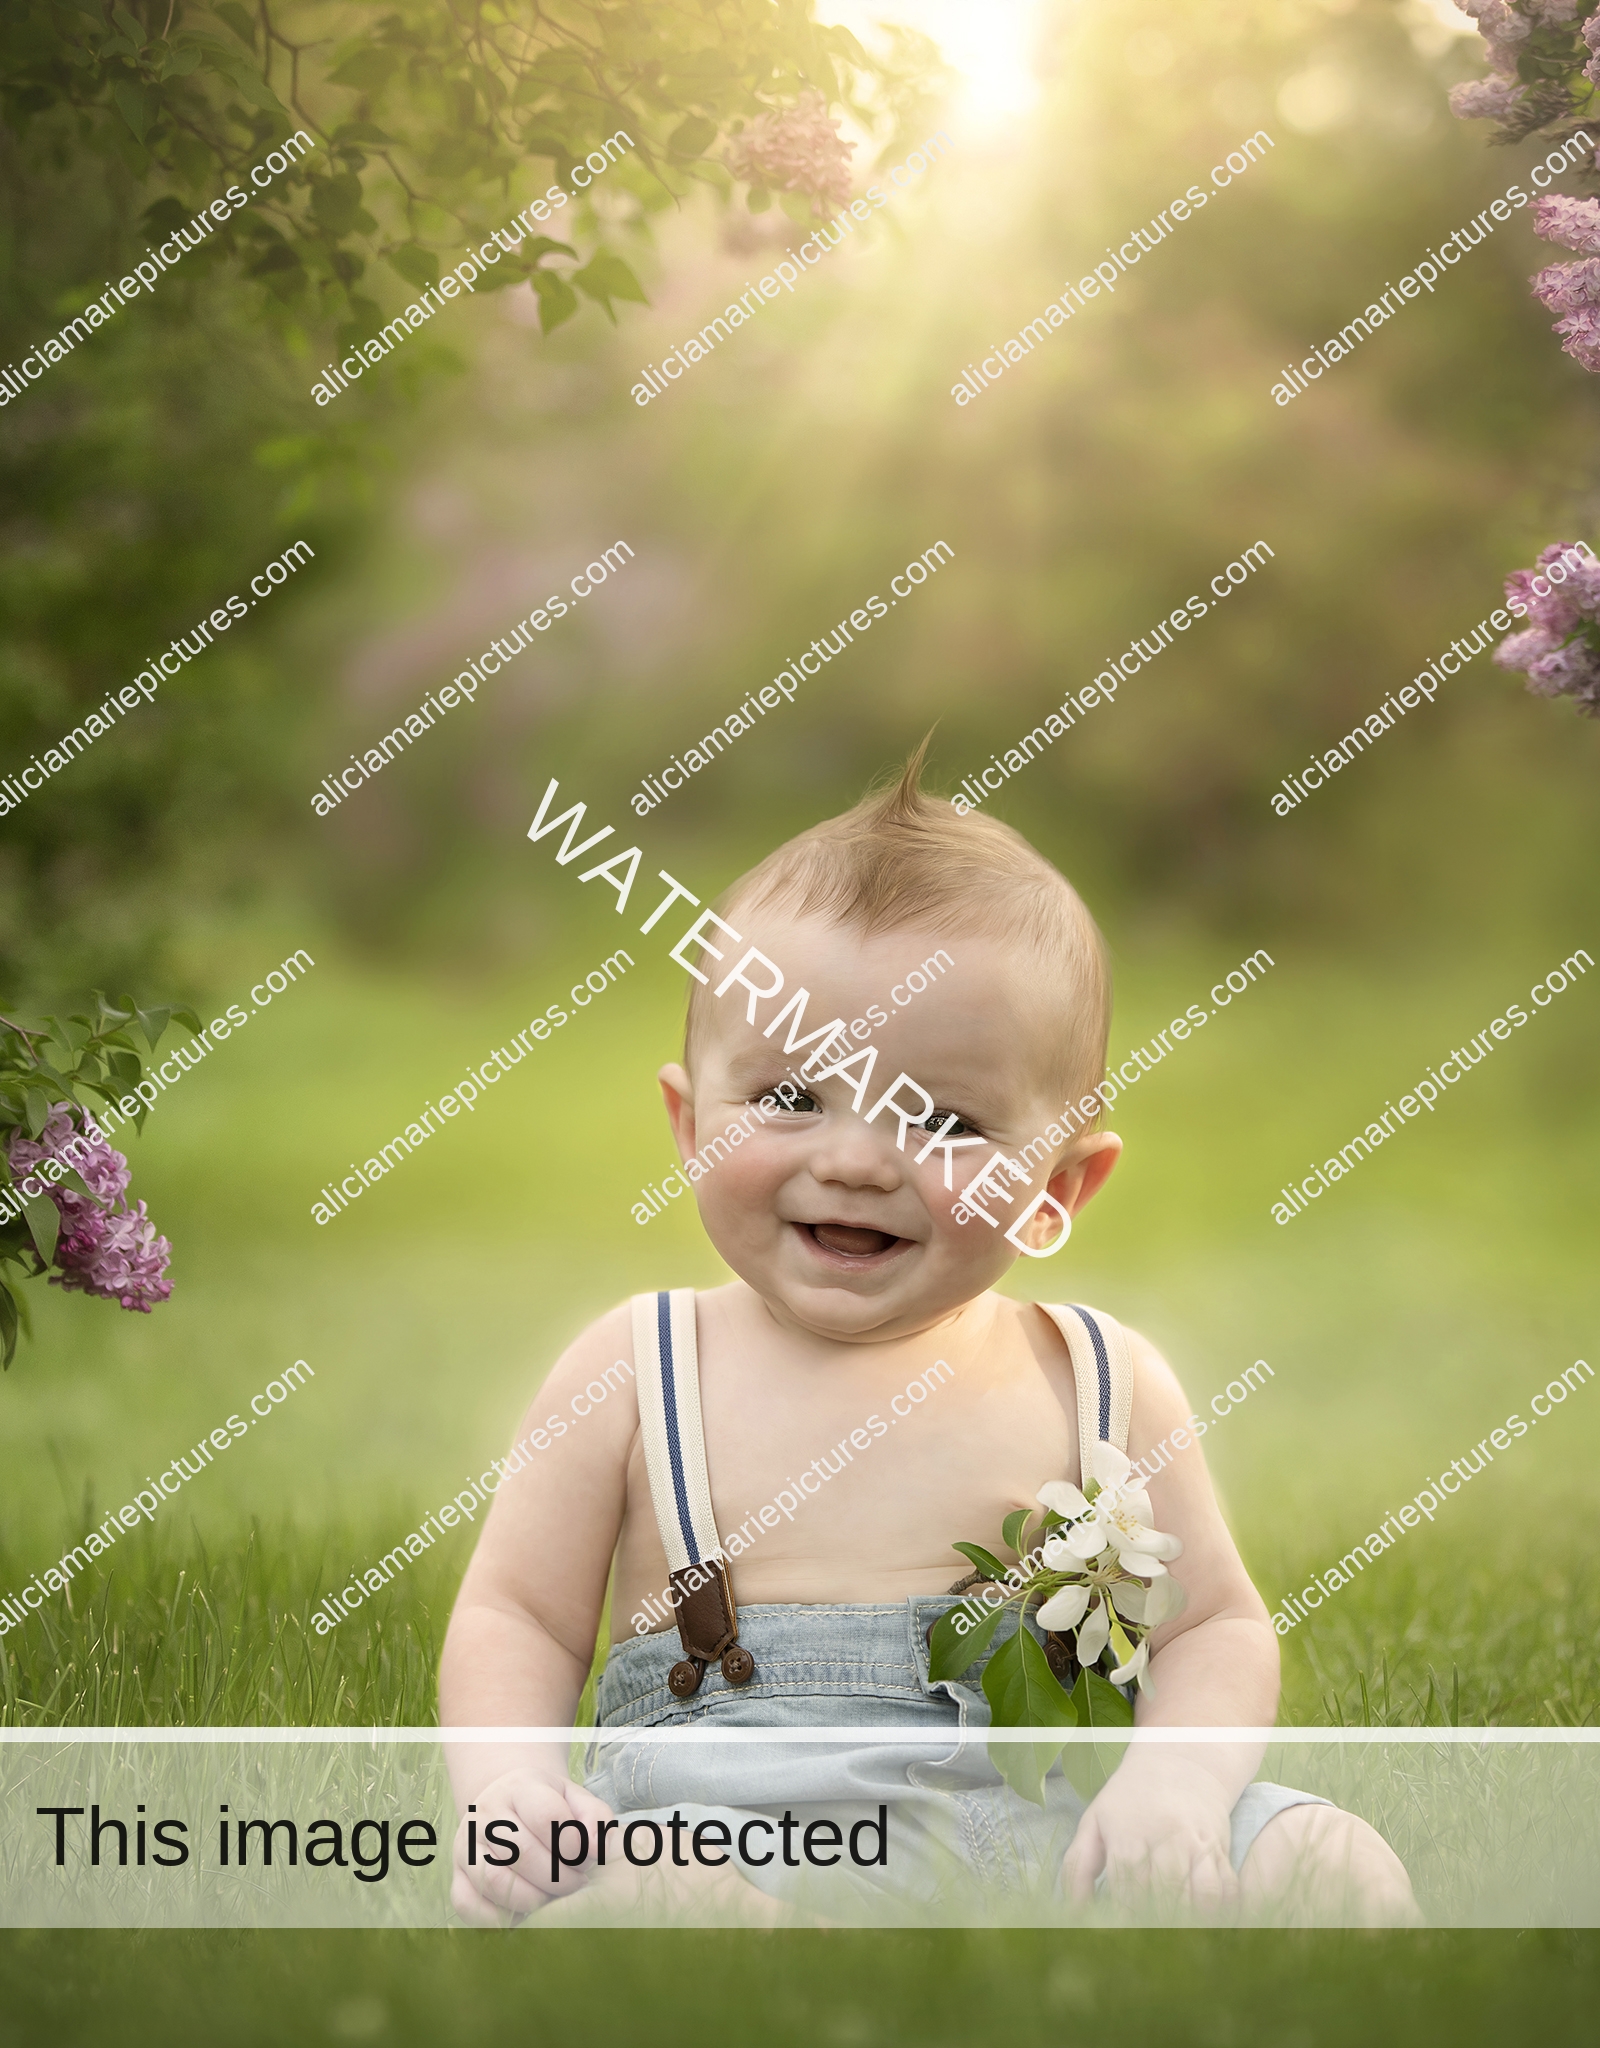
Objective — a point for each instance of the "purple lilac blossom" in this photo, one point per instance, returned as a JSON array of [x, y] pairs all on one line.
[[1580, 336], [1574, 222], [1575, 569], [1552, 613], [1568, 287], [105, 1248], [1485, 99], [1591, 35], [797, 150], [1572, 671], [1522, 650]]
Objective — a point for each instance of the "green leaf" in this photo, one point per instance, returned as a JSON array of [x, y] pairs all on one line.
[[1025, 1693], [415, 264], [1023, 1765], [237, 19], [163, 217], [952, 1650], [361, 131], [134, 107], [1012, 1527], [36, 1111], [1098, 1703], [252, 87], [8, 1323], [132, 29], [540, 246], [335, 202], [692, 137], [985, 1560], [44, 1225], [606, 277], [1022, 1689], [366, 70], [153, 1022], [758, 199], [557, 300]]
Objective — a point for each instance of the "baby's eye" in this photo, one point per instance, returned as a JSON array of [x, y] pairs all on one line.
[[940, 1117], [795, 1099]]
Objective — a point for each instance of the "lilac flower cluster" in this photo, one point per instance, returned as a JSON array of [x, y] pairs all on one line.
[[1505, 26], [1572, 289], [105, 1248], [1505, 31], [797, 150], [1559, 651]]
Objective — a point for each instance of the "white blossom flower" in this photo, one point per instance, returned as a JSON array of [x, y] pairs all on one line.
[[1148, 1607], [1118, 1518], [1093, 1634], [1064, 1610], [1136, 1667]]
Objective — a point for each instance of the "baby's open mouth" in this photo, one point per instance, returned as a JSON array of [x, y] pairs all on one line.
[[849, 1240]]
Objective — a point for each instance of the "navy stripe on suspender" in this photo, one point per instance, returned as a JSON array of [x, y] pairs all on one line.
[[1102, 1368], [669, 1402]]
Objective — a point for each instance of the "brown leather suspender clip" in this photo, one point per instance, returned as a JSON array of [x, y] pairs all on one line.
[[708, 1628]]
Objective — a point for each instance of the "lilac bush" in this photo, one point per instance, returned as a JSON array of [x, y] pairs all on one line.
[[105, 1247], [1559, 651], [73, 1221]]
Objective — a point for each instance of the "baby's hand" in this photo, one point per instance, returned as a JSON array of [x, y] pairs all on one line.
[[1163, 1826], [486, 1893]]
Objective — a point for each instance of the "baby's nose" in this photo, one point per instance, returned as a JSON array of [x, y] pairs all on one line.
[[854, 1154]]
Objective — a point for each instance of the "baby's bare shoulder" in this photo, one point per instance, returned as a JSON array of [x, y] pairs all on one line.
[[597, 1364]]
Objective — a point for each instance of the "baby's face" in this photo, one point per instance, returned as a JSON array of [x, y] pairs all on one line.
[[841, 1230]]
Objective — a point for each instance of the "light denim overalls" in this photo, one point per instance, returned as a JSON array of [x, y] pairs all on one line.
[[954, 1826]]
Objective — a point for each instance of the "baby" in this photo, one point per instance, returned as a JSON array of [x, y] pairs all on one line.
[[862, 1346]]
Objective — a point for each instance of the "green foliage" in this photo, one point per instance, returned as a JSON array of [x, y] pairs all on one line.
[[951, 1650], [414, 133], [985, 1560]]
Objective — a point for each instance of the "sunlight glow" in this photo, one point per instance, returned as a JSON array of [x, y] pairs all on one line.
[[991, 46]]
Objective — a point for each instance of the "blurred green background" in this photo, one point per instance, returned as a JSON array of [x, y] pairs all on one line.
[[1087, 494]]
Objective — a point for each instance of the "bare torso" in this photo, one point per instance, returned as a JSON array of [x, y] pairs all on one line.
[[893, 1478]]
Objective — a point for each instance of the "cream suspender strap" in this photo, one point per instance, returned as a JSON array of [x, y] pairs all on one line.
[[1102, 1371], [667, 1368]]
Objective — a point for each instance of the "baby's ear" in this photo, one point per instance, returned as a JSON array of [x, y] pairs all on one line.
[[1085, 1172], [677, 1092]]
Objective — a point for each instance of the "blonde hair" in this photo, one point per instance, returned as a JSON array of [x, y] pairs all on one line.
[[900, 860]]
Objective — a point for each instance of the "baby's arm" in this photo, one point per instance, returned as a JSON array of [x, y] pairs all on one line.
[[522, 1636], [1164, 1813]]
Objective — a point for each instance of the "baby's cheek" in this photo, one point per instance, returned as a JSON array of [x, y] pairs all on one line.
[[746, 1180]]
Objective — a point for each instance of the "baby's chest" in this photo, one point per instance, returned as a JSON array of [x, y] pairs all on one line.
[[946, 1459]]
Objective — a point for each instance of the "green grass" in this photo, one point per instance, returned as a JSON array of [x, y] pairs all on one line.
[[829, 1990]]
